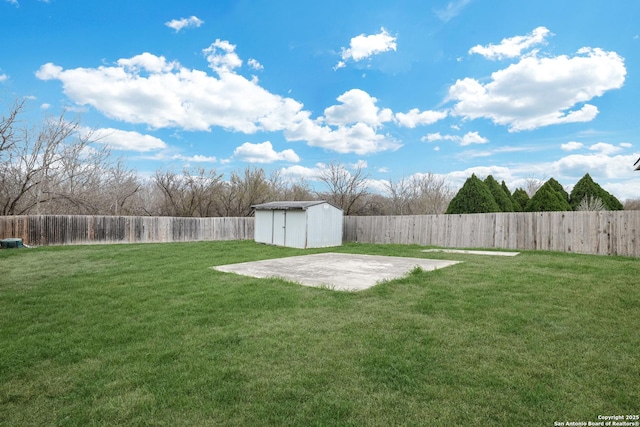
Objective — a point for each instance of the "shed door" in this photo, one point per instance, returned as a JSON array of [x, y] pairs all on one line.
[[279, 227]]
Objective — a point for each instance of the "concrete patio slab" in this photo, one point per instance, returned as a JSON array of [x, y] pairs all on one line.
[[464, 251], [344, 272]]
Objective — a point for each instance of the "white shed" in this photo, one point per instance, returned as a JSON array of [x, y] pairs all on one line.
[[302, 225]]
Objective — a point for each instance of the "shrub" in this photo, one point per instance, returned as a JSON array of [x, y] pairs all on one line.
[[520, 198], [473, 197], [587, 187], [501, 198], [549, 198], [590, 203], [555, 185], [514, 203]]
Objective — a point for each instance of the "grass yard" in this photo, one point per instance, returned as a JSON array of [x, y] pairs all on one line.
[[150, 335]]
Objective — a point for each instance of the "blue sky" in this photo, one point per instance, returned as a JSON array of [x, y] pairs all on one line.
[[520, 90]]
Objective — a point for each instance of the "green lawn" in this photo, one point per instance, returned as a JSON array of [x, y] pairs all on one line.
[[150, 335]]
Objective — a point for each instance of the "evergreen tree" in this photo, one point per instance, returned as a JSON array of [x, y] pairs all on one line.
[[587, 187], [501, 198], [549, 198], [473, 197], [516, 205], [555, 185], [521, 198]]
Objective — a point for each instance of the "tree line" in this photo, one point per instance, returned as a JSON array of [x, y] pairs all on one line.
[[479, 196], [58, 167]]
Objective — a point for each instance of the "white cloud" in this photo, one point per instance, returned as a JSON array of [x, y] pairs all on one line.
[[360, 164], [179, 24], [468, 154], [467, 139], [416, 117], [379, 186], [49, 71], [453, 9], [512, 47], [148, 89], [597, 165], [13, 2], [623, 190], [198, 158], [45, 106], [572, 146], [356, 106], [253, 63], [473, 138], [605, 148], [359, 138], [263, 153], [538, 92], [349, 127], [626, 145], [363, 47], [500, 173], [127, 140], [3, 77], [147, 62], [433, 137], [222, 56], [297, 172], [173, 96]]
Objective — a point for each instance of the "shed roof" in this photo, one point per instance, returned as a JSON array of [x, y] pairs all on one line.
[[289, 205]]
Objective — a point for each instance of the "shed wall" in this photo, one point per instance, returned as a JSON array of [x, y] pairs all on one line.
[[324, 226], [295, 229], [264, 227]]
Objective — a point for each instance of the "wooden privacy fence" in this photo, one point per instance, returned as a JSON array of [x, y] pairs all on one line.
[[83, 229], [603, 232], [594, 232]]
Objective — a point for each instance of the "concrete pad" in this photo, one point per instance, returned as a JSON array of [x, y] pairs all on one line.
[[463, 251], [344, 272]]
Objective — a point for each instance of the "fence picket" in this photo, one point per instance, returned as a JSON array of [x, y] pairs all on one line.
[[603, 232]]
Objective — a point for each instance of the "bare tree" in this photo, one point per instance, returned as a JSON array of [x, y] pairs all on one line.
[[346, 190], [120, 187], [189, 194], [401, 194], [284, 189], [432, 194], [532, 185], [300, 190], [8, 128], [632, 205], [244, 189], [57, 167], [422, 194], [76, 179], [31, 158]]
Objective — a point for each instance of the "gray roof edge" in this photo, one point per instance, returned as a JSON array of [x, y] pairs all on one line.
[[292, 204]]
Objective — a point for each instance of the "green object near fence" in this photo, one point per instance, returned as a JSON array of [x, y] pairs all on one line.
[[11, 243]]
